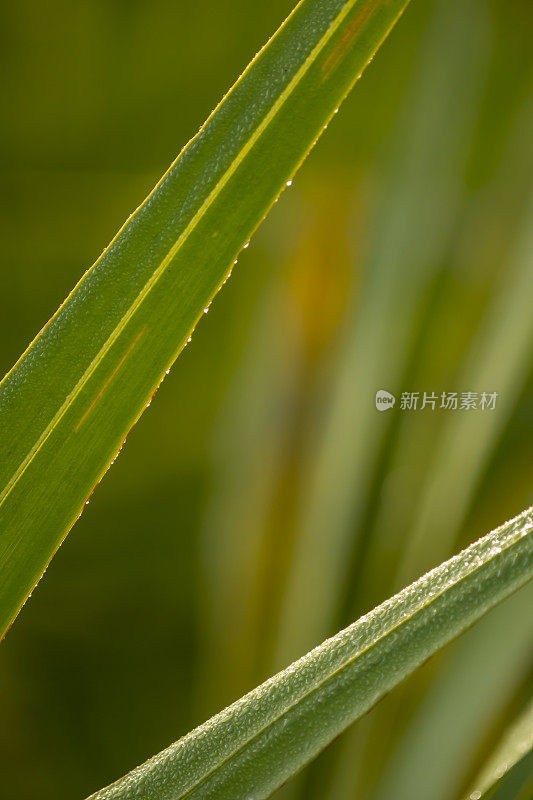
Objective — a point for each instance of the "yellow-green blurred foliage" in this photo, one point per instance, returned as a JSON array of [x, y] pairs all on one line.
[[263, 502]]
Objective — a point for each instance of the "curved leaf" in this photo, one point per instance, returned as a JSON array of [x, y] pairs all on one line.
[[69, 402], [254, 746]]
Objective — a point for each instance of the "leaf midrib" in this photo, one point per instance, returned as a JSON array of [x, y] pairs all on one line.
[[160, 270]]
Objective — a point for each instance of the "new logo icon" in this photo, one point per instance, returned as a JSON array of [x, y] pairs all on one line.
[[384, 400]]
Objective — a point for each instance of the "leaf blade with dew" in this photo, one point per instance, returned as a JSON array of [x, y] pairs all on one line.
[[448, 723], [253, 747], [69, 402]]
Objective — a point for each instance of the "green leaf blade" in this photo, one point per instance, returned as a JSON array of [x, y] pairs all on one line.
[[69, 402], [254, 746], [510, 763]]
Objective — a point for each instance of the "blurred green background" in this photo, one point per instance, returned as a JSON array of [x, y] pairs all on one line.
[[263, 502]]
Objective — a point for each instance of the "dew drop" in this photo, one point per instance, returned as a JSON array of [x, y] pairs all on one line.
[[246, 245], [289, 183]]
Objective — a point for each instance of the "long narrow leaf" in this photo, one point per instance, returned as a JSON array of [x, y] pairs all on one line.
[[446, 727], [69, 402], [254, 746], [509, 757]]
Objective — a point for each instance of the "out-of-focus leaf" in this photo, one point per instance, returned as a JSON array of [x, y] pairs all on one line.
[[253, 747], [422, 190], [511, 762], [246, 468], [69, 402], [507, 328]]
